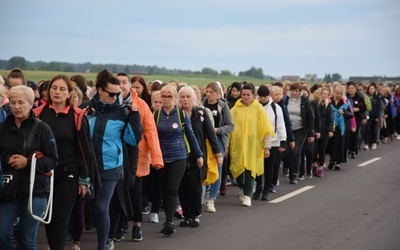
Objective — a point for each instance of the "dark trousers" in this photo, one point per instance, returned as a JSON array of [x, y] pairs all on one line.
[[65, 194], [170, 179], [246, 181], [373, 135], [77, 220], [190, 191], [308, 153], [277, 165], [268, 171], [293, 157], [354, 139], [320, 151]]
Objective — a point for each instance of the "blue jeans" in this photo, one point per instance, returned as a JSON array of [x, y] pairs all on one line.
[[28, 226], [214, 188]]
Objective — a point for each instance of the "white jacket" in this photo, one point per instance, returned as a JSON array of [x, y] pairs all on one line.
[[280, 130]]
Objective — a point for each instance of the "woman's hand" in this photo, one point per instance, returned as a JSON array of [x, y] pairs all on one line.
[[18, 161], [199, 162], [266, 152], [82, 189], [220, 160]]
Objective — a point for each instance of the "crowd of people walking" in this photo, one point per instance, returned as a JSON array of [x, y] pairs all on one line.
[[126, 147]]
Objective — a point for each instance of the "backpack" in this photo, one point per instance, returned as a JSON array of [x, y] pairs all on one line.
[[276, 117], [181, 117]]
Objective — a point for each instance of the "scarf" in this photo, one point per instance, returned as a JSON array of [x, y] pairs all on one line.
[[338, 118]]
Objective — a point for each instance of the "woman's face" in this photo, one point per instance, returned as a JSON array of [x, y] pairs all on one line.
[[138, 87], [59, 92], [324, 95], [351, 90], [247, 97], [186, 100], [211, 95], [295, 93], [338, 94], [125, 85], [168, 99], [109, 94], [235, 93], [75, 98], [156, 102], [371, 90], [286, 89], [20, 107]]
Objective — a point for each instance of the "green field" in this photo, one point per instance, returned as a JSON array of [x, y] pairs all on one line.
[[202, 80]]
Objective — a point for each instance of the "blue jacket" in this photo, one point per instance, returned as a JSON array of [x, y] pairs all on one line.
[[171, 138], [111, 125]]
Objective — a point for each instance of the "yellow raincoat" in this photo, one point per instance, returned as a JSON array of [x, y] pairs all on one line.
[[246, 148]]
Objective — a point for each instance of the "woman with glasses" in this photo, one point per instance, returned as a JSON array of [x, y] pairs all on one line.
[[177, 140], [115, 129]]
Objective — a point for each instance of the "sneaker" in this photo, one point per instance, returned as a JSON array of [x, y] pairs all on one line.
[[301, 177], [154, 218], [293, 180], [352, 155], [398, 137], [210, 208], [264, 196], [337, 167], [146, 210], [277, 183], [168, 228], [137, 233], [314, 171], [320, 173], [125, 228], [330, 166], [119, 236], [185, 223], [257, 193], [272, 189], [366, 147], [75, 246], [223, 189], [195, 222], [241, 195], [246, 201], [178, 212], [309, 176], [373, 146], [110, 245]]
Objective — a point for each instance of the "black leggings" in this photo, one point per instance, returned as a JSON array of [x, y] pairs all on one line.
[[320, 151]]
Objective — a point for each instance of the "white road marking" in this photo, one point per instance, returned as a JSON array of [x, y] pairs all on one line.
[[290, 195], [369, 162]]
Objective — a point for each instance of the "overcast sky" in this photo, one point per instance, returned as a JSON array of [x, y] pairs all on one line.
[[285, 37]]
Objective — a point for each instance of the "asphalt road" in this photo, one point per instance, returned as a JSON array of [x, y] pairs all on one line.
[[355, 208]]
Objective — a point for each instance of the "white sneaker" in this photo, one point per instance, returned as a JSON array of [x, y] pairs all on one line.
[[246, 201], [241, 195], [210, 206], [398, 137], [154, 218], [110, 245], [277, 183], [373, 146], [366, 147]]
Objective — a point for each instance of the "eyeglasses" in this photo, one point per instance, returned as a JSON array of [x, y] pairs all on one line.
[[111, 94], [167, 96]]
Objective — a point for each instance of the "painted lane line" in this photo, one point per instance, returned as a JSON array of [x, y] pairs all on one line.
[[369, 162], [290, 195]]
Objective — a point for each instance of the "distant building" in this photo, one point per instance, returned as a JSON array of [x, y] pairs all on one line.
[[369, 79], [311, 77], [290, 78]]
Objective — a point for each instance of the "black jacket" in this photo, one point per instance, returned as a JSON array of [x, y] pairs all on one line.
[[307, 116], [12, 142], [326, 117]]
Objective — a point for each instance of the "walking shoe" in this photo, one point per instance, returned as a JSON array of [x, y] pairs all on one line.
[[373, 146], [265, 194], [241, 195], [366, 147], [320, 173], [330, 166], [137, 233], [277, 183], [195, 222], [246, 201], [168, 228], [314, 171], [272, 189], [210, 207], [75, 246], [352, 155], [309, 176], [398, 137], [154, 218], [119, 236], [178, 212], [185, 223], [301, 177], [257, 193], [223, 189], [146, 210], [110, 245], [337, 167], [293, 180], [285, 172]]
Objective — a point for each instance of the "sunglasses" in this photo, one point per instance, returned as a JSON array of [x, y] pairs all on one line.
[[111, 94]]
